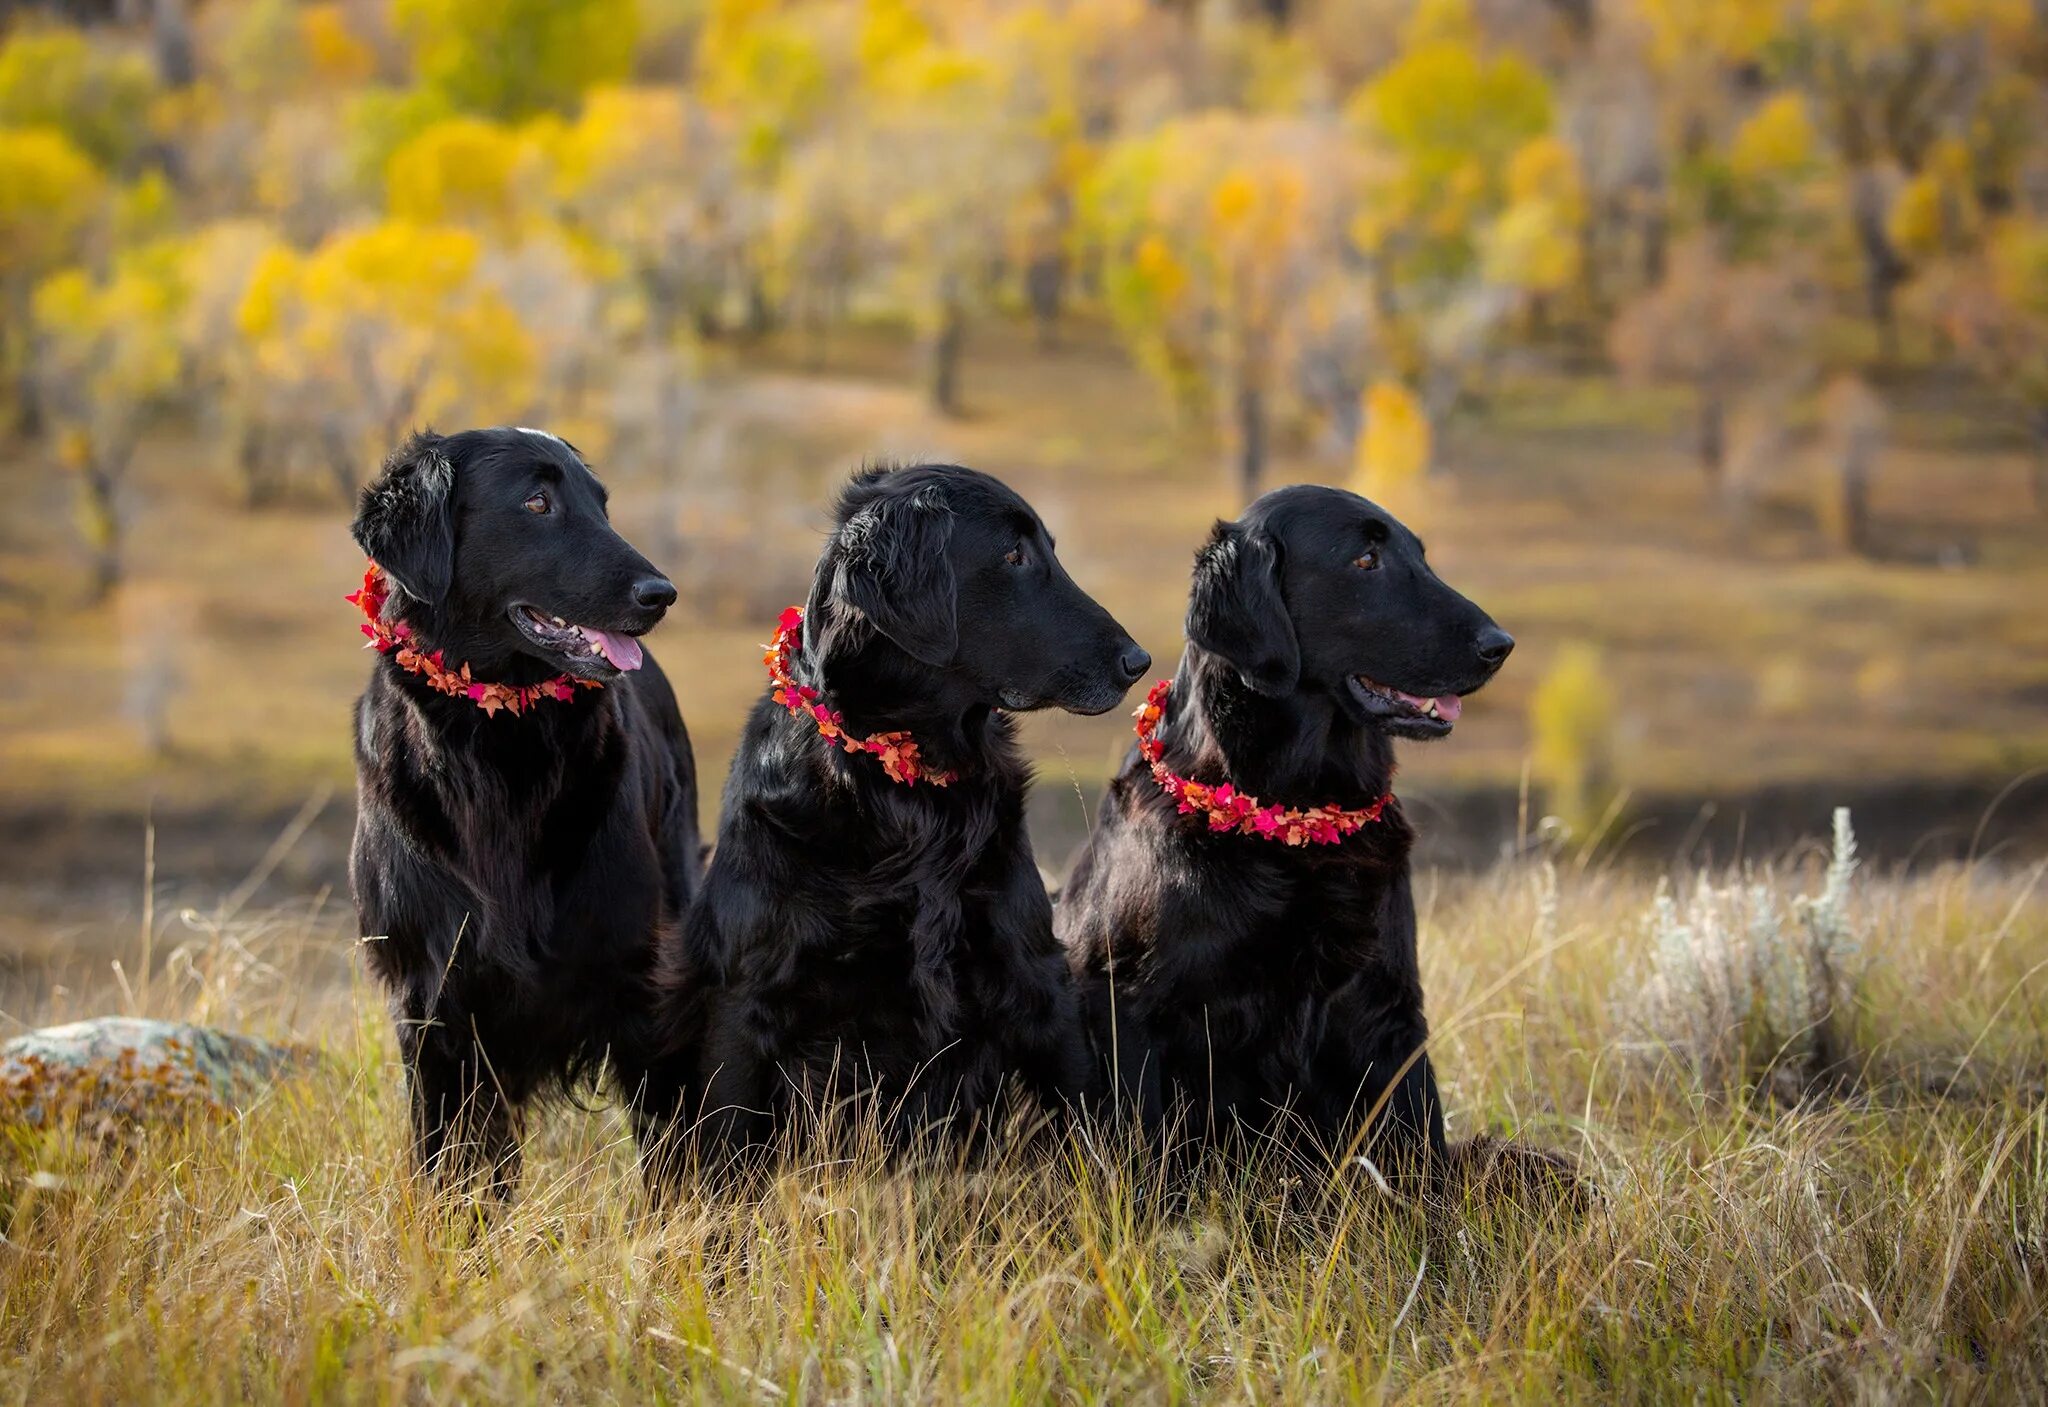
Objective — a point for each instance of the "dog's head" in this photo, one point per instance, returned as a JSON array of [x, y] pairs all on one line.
[[500, 537], [956, 570], [1315, 590]]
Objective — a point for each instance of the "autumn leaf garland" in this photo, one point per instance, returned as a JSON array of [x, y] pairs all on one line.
[[897, 750], [1227, 809], [393, 638]]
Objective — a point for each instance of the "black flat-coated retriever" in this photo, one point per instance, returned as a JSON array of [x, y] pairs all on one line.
[[514, 865], [1241, 991], [877, 949]]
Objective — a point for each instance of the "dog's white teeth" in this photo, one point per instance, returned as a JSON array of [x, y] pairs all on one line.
[[1431, 710], [558, 621]]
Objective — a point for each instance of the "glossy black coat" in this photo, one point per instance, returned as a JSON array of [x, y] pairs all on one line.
[[1237, 991], [513, 875], [873, 948]]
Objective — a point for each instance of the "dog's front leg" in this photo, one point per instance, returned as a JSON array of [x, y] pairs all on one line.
[[738, 1075], [1128, 1081], [1405, 1135], [464, 1124]]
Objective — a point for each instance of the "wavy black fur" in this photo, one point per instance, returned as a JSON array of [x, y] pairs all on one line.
[[871, 947], [512, 875], [1240, 993]]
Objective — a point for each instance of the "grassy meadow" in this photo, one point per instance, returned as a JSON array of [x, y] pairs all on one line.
[[1885, 1240]]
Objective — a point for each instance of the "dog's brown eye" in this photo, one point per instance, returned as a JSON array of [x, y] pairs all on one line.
[[1370, 562], [537, 502], [1015, 556]]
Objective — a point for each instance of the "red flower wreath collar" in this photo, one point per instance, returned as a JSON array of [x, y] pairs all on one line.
[[1228, 809], [898, 750], [394, 638]]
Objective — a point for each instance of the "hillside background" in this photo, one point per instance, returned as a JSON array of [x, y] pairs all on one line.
[[1706, 341]]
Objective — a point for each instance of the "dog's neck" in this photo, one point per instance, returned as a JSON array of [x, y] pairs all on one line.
[[880, 688], [1298, 750]]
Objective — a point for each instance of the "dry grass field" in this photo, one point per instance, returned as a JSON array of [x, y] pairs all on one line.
[[1882, 1238]]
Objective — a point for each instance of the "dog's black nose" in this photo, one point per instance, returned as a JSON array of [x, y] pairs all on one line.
[[1132, 664], [656, 593], [1494, 645]]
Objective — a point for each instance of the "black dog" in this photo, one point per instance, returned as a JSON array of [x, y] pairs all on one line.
[[1239, 989], [863, 942], [513, 868]]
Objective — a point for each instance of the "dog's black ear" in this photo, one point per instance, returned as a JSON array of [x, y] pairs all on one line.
[[406, 519], [894, 569], [1236, 609]]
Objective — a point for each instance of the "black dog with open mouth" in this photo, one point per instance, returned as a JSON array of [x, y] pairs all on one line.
[[1248, 972], [527, 801], [873, 937]]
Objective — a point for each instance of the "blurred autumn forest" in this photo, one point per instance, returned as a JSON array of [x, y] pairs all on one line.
[[1707, 339]]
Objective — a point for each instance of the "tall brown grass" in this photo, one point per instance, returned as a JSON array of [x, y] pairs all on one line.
[[1882, 1236]]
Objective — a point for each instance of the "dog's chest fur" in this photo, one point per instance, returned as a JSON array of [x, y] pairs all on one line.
[[893, 949], [1238, 963], [523, 870]]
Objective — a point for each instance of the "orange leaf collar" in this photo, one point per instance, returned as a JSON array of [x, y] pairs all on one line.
[[1228, 809], [394, 638], [898, 750]]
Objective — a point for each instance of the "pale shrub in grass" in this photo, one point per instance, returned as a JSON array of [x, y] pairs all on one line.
[[1744, 986]]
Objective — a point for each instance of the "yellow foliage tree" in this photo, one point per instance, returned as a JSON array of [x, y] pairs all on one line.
[[1995, 310], [1468, 206], [1393, 451], [97, 96], [649, 177], [1533, 246], [1571, 723], [108, 357], [1214, 233], [49, 192], [946, 167], [514, 58], [216, 264], [769, 67], [464, 171], [379, 328], [1890, 80]]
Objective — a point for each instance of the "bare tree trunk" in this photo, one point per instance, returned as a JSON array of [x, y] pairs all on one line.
[[945, 354], [171, 39], [1251, 439], [1713, 432], [17, 359], [1656, 249], [102, 522], [250, 458], [760, 308], [1045, 280], [1883, 269], [1855, 488], [341, 462]]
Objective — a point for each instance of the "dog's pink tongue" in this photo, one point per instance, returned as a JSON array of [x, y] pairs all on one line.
[[1448, 707], [622, 650]]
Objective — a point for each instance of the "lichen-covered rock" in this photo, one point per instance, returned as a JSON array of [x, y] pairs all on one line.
[[115, 1074]]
